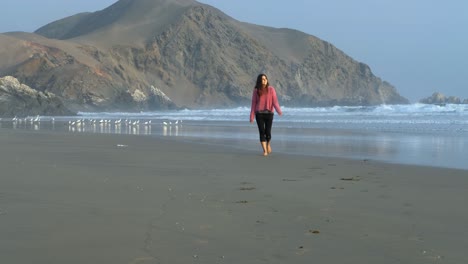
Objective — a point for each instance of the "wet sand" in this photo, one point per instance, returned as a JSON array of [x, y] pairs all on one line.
[[95, 198]]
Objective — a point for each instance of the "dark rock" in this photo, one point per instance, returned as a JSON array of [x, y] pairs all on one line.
[[440, 99], [17, 99]]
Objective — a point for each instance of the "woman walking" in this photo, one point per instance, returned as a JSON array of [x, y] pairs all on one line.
[[264, 100]]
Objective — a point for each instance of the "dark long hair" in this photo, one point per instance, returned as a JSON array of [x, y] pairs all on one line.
[[258, 85]]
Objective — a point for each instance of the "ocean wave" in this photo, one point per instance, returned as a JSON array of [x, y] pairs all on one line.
[[450, 117]]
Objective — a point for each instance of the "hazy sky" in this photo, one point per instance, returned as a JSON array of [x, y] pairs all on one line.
[[419, 46]]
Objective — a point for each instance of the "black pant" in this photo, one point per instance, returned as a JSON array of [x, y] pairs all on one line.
[[264, 123]]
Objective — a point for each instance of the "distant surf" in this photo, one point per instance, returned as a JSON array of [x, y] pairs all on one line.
[[433, 135]]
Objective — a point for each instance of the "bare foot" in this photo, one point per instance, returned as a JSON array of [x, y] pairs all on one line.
[[269, 149], [265, 154]]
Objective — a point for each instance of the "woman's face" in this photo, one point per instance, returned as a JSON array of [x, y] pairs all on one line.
[[264, 80]]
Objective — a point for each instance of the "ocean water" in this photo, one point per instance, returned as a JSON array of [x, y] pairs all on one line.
[[408, 134]]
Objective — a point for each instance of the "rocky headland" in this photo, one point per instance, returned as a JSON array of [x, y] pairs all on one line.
[[440, 99], [139, 55]]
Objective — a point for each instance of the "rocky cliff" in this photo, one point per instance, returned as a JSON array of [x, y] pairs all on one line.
[[159, 54], [19, 99]]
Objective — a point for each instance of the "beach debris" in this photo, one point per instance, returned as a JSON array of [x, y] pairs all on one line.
[[246, 188], [203, 199], [334, 188], [122, 146], [181, 226], [242, 202], [315, 168], [351, 179], [301, 250], [430, 254], [314, 231]]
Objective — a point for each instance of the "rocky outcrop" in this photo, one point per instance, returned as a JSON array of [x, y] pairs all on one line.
[[196, 56], [19, 99], [139, 100], [440, 99]]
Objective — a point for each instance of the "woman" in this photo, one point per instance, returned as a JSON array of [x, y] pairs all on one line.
[[263, 101]]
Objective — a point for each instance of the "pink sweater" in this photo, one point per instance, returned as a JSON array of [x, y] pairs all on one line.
[[265, 102]]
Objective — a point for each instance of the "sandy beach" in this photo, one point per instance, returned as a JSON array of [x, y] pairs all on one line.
[[97, 198]]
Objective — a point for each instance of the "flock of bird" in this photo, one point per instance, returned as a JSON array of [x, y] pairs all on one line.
[[102, 122], [120, 122], [29, 119]]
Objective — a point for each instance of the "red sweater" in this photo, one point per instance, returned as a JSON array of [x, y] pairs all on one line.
[[267, 101]]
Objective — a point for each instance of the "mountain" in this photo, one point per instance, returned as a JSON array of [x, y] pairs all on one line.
[[159, 54]]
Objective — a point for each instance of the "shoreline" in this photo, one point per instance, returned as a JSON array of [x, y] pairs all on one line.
[[441, 151], [106, 198]]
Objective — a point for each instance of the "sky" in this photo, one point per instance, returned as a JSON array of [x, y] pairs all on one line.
[[419, 46]]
